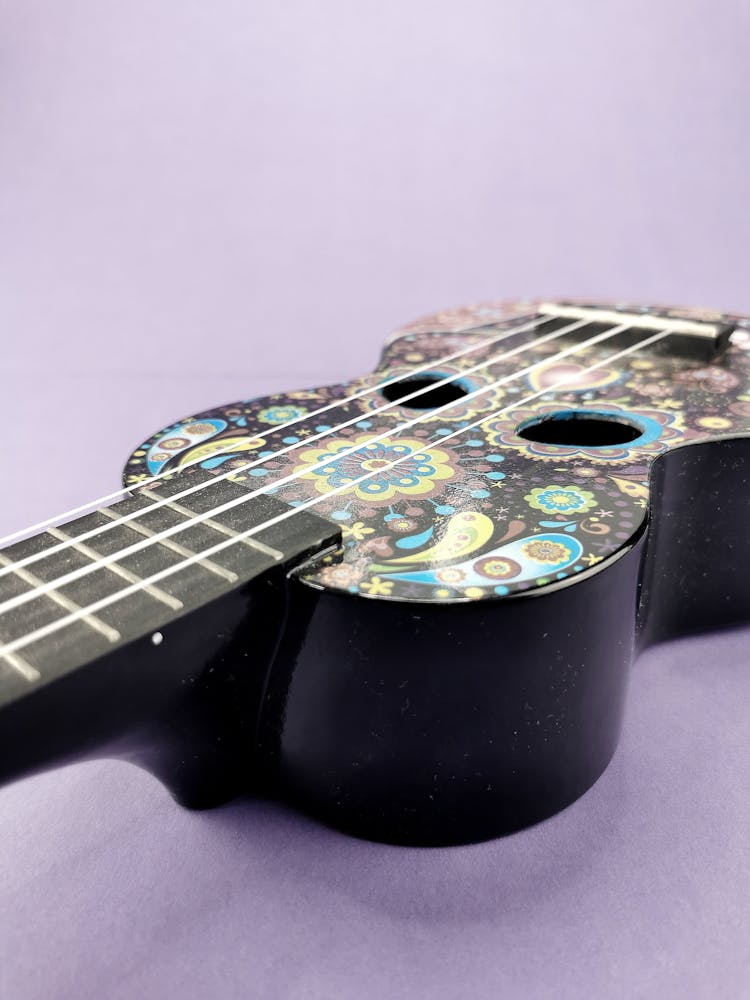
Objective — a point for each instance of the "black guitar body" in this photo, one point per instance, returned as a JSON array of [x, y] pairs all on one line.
[[440, 652], [453, 745]]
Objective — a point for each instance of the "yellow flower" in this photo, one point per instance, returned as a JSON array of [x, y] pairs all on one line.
[[714, 423], [357, 531], [200, 428], [377, 587], [544, 551]]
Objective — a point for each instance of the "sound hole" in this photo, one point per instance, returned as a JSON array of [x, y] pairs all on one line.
[[576, 428], [428, 400]]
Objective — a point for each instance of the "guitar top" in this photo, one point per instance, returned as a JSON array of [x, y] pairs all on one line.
[[549, 478]]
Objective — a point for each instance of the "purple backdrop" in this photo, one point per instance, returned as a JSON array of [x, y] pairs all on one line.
[[200, 201]]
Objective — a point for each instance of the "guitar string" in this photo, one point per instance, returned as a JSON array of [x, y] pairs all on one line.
[[197, 519], [330, 432], [155, 539], [197, 557], [276, 428], [64, 622]]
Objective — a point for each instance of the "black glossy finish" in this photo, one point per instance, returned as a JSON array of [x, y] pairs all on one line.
[[184, 707], [697, 566], [391, 721]]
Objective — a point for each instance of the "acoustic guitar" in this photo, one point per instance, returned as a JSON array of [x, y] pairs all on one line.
[[408, 603]]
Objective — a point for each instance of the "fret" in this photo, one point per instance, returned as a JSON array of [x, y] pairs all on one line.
[[109, 600], [210, 522], [116, 568], [169, 543], [185, 544], [109, 633], [21, 667]]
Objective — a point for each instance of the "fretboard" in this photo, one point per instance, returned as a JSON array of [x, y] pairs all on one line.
[[141, 608]]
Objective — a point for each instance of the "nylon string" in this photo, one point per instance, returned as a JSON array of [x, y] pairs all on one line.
[[122, 493], [330, 432], [60, 623]]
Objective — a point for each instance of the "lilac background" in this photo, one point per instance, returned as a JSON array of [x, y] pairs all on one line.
[[202, 201]]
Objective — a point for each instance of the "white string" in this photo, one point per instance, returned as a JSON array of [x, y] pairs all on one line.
[[76, 574], [220, 546], [124, 492], [330, 432]]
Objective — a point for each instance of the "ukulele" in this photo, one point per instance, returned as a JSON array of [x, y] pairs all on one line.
[[408, 603]]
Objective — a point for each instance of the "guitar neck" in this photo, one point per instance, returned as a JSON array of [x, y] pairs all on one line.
[[105, 620]]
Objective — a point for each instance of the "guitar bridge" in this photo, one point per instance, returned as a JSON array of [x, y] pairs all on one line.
[[706, 338]]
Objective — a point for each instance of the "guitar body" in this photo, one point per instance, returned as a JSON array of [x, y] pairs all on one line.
[[457, 667]]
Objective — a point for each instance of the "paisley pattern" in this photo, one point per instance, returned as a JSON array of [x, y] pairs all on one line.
[[470, 509]]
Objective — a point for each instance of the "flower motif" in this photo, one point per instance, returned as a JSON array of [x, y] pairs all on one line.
[[402, 524], [497, 567], [281, 414], [342, 575], [377, 587], [561, 499], [199, 428], [387, 469], [714, 423], [585, 471], [450, 575], [357, 531], [546, 552]]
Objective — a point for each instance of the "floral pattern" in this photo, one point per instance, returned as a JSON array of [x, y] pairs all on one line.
[[280, 414], [561, 499], [369, 467], [452, 504], [546, 552]]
